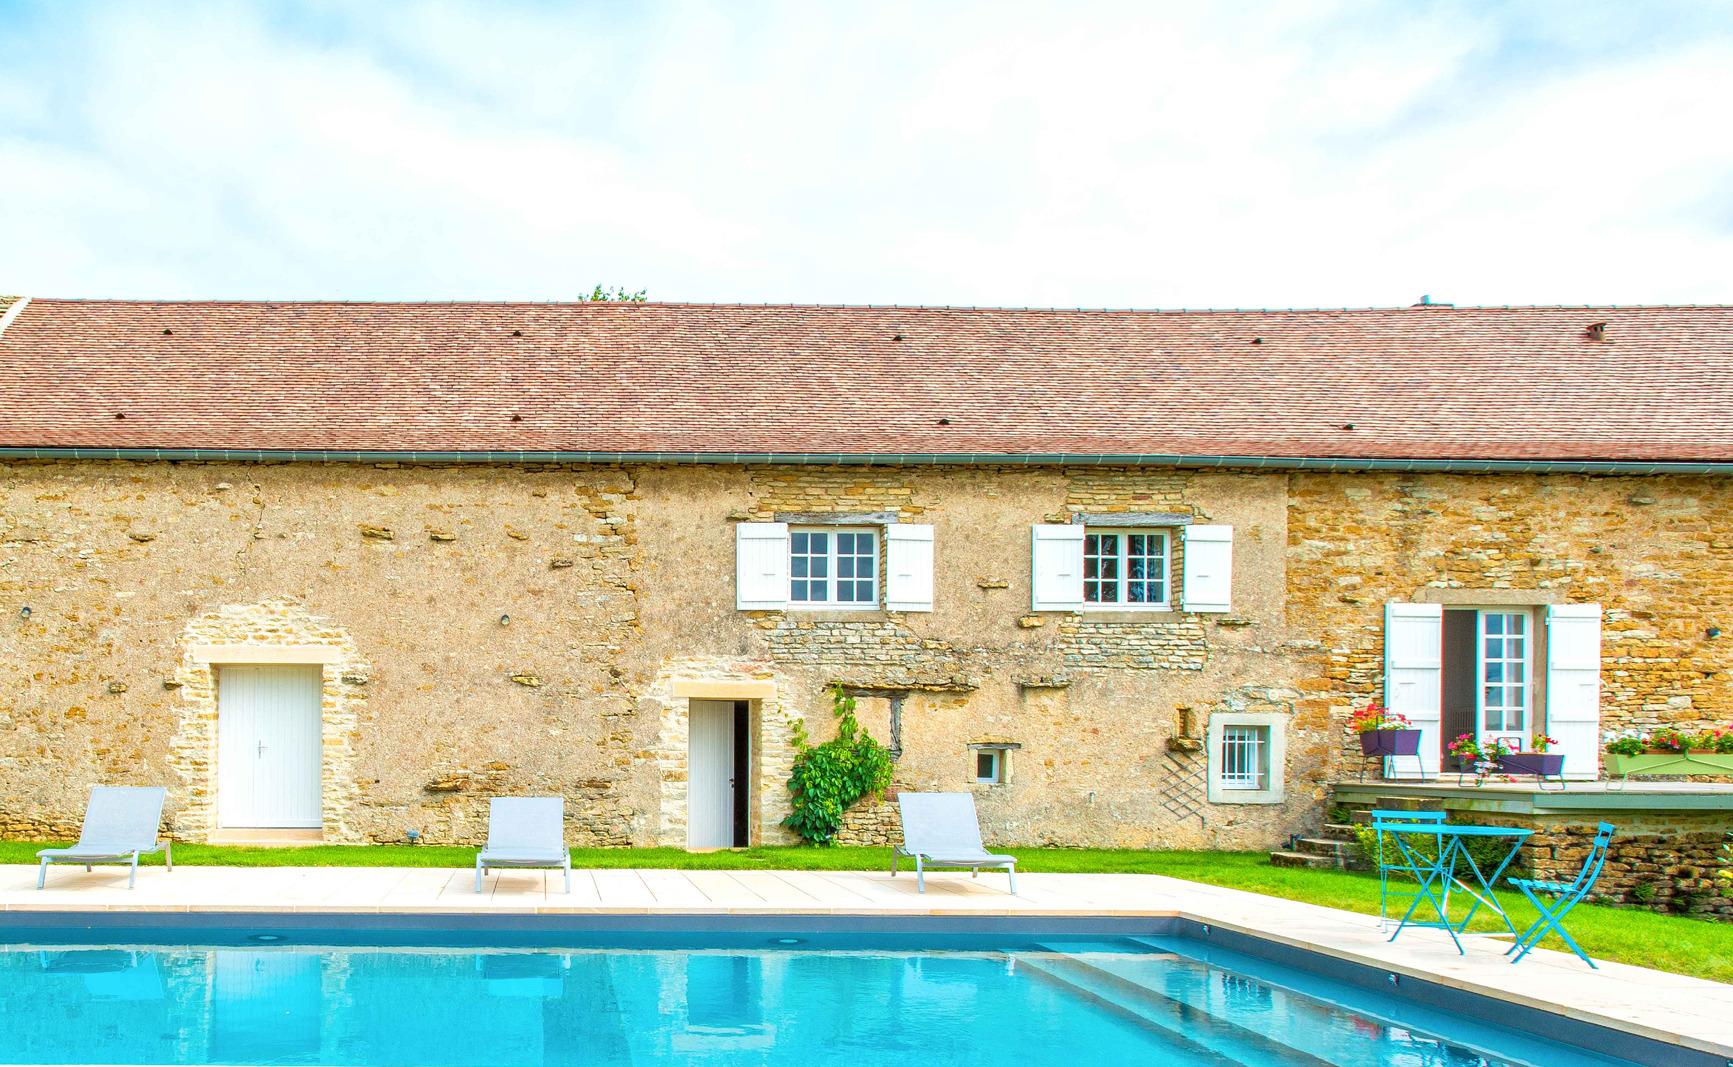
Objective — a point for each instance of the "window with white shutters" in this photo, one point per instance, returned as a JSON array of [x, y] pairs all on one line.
[[1413, 657], [833, 567], [1125, 569], [1056, 578], [1573, 686], [761, 566], [1209, 568], [779, 567], [909, 567]]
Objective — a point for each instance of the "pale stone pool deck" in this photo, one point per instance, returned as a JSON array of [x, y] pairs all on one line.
[[1667, 1007]]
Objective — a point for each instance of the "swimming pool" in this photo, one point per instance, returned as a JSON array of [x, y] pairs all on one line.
[[305, 996]]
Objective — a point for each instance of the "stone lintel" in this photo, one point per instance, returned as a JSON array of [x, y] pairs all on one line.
[[832, 518], [910, 685], [1492, 597], [710, 689], [1053, 681], [1131, 518], [266, 653]]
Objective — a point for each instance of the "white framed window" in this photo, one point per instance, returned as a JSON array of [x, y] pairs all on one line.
[[1125, 569], [1247, 757], [990, 762], [833, 567], [1505, 649]]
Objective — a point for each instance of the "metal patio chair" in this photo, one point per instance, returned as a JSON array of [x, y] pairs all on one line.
[[942, 830], [1385, 868], [525, 832], [1565, 896], [120, 824]]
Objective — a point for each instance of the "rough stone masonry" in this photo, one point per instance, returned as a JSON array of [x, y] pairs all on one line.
[[539, 629]]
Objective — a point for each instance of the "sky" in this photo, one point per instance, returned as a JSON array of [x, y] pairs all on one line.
[[1146, 154]]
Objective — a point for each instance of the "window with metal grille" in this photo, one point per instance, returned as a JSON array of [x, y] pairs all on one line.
[[1243, 756]]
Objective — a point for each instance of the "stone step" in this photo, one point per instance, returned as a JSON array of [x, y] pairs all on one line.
[[1409, 804], [1145, 988], [1306, 859], [1339, 831], [1322, 846]]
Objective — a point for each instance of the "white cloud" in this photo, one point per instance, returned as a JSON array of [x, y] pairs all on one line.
[[1136, 154]]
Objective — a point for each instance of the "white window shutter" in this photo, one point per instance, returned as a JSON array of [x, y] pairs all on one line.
[[1573, 686], [1209, 568], [1057, 568], [1413, 660], [761, 566], [908, 567]]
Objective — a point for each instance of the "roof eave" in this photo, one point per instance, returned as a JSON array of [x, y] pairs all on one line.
[[884, 459]]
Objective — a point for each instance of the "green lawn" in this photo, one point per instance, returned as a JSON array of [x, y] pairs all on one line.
[[1668, 943]]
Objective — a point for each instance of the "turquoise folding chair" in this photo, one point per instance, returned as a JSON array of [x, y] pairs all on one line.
[[1384, 867], [1565, 896]]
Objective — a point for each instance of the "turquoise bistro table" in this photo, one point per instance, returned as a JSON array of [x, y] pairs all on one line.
[[1450, 867]]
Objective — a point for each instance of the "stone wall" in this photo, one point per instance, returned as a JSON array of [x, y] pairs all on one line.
[[1659, 863], [540, 629], [875, 824], [1655, 553], [1173, 646]]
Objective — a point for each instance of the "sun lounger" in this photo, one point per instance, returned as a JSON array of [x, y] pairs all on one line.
[[120, 824], [941, 830], [525, 832]]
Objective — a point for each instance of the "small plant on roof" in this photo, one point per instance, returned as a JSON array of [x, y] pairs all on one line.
[[1376, 716], [601, 294], [828, 778]]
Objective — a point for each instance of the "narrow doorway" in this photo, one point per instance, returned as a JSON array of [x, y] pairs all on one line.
[[269, 750], [717, 774]]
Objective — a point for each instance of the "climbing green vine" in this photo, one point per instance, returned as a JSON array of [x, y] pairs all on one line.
[[828, 778]]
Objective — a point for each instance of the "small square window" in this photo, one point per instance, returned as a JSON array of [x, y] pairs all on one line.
[[1245, 757], [989, 763]]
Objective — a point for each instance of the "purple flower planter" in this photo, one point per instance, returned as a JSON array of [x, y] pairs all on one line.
[[1390, 743], [1544, 764]]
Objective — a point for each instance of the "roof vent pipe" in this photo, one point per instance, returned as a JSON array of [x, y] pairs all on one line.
[[1597, 331]]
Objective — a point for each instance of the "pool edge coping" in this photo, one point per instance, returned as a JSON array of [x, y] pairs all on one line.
[[1206, 922]]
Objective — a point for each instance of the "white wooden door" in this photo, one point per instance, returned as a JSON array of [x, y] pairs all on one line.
[[710, 775], [268, 749]]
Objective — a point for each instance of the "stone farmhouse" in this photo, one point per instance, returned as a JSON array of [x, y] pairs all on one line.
[[344, 571]]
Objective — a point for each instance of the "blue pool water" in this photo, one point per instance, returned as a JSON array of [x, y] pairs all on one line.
[[1173, 1003]]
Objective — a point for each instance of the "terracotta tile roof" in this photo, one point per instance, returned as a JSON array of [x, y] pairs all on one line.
[[1423, 382]]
